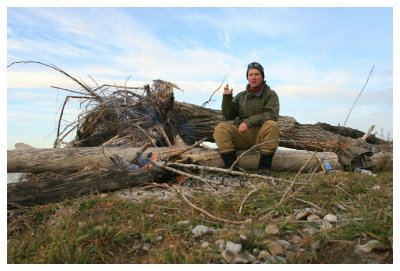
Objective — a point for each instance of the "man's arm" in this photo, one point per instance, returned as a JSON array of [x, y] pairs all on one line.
[[229, 106]]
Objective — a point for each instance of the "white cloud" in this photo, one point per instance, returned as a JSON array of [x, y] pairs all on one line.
[[126, 46]]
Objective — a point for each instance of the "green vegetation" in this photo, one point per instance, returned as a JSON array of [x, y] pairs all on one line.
[[113, 229]]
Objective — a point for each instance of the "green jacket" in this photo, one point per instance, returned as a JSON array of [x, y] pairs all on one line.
[[252, 108]]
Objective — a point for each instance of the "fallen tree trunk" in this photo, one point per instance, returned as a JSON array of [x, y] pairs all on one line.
[[195, 122], [55, 187], [81, 171], [31, 160], [72, 172]]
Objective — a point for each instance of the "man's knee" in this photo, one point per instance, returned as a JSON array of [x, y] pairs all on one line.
[[222, 127], [270, 124], [269, 133]]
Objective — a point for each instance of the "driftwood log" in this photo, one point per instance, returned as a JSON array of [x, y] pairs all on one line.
[[119, 119], [32, 160], [53, 187], [66, 173], [195, 122]]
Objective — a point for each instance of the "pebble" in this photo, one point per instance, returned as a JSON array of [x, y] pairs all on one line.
[[326, 225], [274, 247], [183, 222], [205, 244], [256, 251], [313, 217], [369, 246], [237, 258], [376, 188], [263, 255], [220, 243], [310, 230], [285, 244], [145, 247], [200, 230], [272, 229], [330, 218], [235, 248], [303, 213], [275, 259]]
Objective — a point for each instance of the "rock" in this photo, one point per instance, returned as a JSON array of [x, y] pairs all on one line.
[[159, 238], [326, 225], [263, 255], [289, 218], [274, 247], [272, 229], [228, 256], [256, 251], [285, 244], [205, 245], [316, 245], [220, 243], [313, 217], [303, 213], [200, 230], [330, 218], [145, 247], [310, 230], [237, 258], [376, 188], [235, 248], [369, 246], [183, 222], [296, 239], [275, 259]]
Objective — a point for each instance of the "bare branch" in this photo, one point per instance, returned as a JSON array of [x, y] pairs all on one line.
[[209, 100]]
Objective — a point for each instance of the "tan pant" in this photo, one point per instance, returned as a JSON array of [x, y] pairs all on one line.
[[228, 138]]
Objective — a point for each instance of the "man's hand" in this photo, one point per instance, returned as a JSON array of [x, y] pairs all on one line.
[[228, 91], [243, 127]]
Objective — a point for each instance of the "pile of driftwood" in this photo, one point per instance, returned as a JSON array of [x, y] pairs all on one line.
[[128, 136]]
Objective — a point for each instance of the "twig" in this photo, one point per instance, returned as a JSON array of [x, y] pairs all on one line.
[[141, 151], [305, 201], [209, 100], [323, 220], [222, 170], [207, 213], [348, 115], [294, 179], [73, 91], [84, 86], [187, 149], [364, 137], [246, 197], [206, 181], [59, 121], [249, 150], [284, 198], [160, 129]]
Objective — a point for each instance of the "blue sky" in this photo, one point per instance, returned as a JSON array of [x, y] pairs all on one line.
[[316, 59]]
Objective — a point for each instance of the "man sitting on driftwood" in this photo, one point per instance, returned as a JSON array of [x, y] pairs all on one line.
[[255, 114]]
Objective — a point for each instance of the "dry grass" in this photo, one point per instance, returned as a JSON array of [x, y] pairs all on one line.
[[110, 229]]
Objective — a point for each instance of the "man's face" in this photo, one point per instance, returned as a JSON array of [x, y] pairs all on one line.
[[255, 78]]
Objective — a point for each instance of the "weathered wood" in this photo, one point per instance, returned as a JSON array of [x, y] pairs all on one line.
[[55, 187], [195, 122], [31, 160]]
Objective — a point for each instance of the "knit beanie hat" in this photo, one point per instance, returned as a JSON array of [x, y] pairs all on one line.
[[257, 66]]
